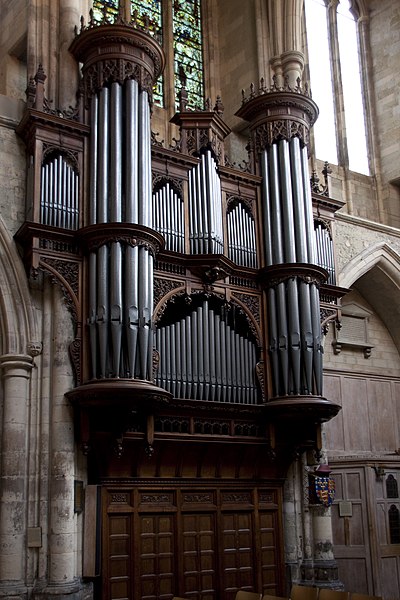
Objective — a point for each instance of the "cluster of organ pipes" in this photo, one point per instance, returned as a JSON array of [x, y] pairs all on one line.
[[205, 207], [59, 194], [204, 356], [241, 236], [294, 310], [121, 276], [325, 256], [168, 217]]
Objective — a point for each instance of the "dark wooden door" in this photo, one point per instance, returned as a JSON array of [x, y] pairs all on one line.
[[203, 544]]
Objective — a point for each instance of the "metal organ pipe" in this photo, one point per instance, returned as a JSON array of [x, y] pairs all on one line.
[[59, 193], [203, 357], [298, 201], [241, 236], [205, 207], [168, 217], [309, 219], [294, 320], [121, 275]]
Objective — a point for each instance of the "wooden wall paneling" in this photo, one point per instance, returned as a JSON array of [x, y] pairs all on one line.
[[207, 542], [390, 577], [351, 533], [355, 412], [381, 409], [117, 544], [199, 558], [388, 554], [157, 556], [396, 414], [335, 427]]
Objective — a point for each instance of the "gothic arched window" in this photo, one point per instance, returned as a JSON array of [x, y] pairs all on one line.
[[180, 24], [392, 490], [336, 84], [394, 525]]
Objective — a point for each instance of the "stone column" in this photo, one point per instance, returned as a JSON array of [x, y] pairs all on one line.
[[287, 62], [69, 17], [16, 371], [59, 521]]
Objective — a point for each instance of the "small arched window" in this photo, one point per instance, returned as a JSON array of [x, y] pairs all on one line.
[[394, 525], [392, 490]]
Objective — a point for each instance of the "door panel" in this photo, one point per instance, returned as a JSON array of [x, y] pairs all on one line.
[[198, 543], [203, 544], [120, 557], [157, 558], [237, 553]]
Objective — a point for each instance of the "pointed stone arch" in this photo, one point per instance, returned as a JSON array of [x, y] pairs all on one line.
[[17, 320], [375, 273]]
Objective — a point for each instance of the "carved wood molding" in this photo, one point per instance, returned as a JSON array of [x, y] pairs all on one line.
[[278, 114], [95, 236], [114, 53]]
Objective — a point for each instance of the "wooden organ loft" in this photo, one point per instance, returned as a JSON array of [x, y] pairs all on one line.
[[197, 290]]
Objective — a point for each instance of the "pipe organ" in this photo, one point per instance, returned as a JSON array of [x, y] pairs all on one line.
[[121, 275], [292, 271], [325, 255], [169, 217], [206, 233], [227, 318], [208, 354], [59, 199], [196, 304], [295, 333], [242, 248]]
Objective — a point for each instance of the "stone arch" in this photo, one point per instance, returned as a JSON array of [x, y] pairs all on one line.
[[18, 324], [375, 273]]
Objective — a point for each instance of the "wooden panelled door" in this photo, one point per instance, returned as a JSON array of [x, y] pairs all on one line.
[[203, 543], [366, 529]]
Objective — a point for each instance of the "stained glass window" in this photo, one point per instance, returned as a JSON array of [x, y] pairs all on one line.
[[188, 54], [153, 10], [177, 25], [109, 7]]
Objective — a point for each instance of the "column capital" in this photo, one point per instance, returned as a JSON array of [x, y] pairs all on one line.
[[16, 365]]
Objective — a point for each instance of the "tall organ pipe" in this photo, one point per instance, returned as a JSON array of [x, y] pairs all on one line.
[[294, 321], [116, 216], [102, 315], [203, 357], [298, 200], [121, 274], [205, 207], [287, 206]]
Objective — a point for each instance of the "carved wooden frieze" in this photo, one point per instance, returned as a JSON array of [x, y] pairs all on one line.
[[115, 52], [276, 114], [66, 274]]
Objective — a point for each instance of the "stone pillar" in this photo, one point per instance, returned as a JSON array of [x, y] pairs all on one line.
[[325, 567], [59, 522], [16, 371], [69, 17], [287, 62]]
